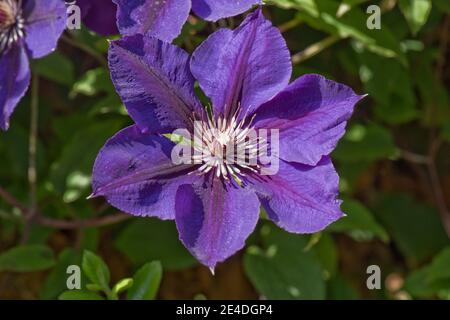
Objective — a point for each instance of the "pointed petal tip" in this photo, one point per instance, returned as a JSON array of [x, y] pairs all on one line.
[[258, 13], [4, 123], [213, 272], [91, 196], [363, 96]]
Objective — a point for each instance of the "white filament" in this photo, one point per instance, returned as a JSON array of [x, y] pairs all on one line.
[[227, 146]]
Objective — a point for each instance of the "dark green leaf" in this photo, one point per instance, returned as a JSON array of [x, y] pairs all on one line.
[[340, 289], [282, 269], [415, 228], [80, 295], [359, 222], [146, 282], [432, 279], [365, 143], [55, 283], [56, 67], [27, 259], [96, 270], [151, 239], [416, 13]]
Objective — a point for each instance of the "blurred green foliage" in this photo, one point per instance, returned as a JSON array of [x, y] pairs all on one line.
[[399, 134]]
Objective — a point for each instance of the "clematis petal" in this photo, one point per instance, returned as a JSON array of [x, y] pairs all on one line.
[[214, 221], [135, 173], [311, 116], [154, 81], [15, 75], [247, 66], [162, 19], [99, 16], [45, 21], [300, 198], [214, 10]]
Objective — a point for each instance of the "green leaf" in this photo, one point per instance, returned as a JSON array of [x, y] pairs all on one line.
[[151, 239], [282, 269], [440, 266], [55, 67], [328, 16], [415, 227], [359, 223], [96, 270], [146, 282], [16, 151], [94, 287], [122, 286], [432, 279], [93, 82], [55, 283], [394, 95], [443, 5], [27, 259], [327, 253], [416, 13], [340, 289], [71, 174], [365, 143], [80, 295], [434, 95]]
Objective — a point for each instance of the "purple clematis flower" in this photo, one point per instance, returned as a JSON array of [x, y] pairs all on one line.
[[162, 19], [246, 75], [28, 29]]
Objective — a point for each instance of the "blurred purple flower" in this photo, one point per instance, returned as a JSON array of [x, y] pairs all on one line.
[[28, 29], [162, 19], [99, 16], [246, 75]]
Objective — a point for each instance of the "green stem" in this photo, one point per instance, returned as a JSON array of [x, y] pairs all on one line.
[[314, 49]]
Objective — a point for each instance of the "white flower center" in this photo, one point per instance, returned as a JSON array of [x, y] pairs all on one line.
[[227, 146], [11, 23]]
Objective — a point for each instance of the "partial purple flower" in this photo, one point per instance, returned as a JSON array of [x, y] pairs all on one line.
[[162, 19], [216, 203], [28, 29], [99, 16]]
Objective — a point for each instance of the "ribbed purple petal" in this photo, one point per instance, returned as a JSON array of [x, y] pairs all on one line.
[[154, 81], [135, 173], [311, 115], [300, 198], [15, 79], [45, 21], [247, 66], [214, 10], [214, 221], [99, 16], [162, 19]]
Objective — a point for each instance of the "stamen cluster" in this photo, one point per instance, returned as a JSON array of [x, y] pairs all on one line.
[[11, 23]]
